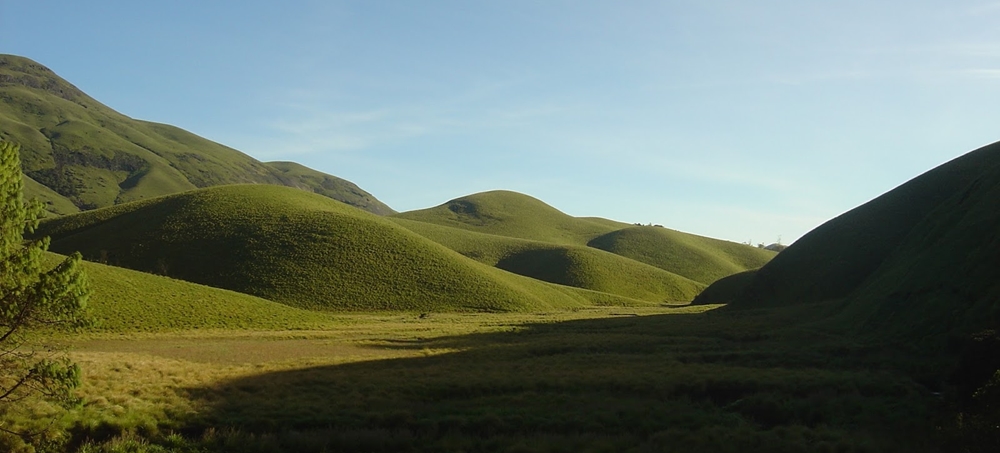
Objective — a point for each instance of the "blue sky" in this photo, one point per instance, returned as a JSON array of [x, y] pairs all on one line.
[[747, 121]]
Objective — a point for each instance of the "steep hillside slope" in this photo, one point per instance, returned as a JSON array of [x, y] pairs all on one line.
[[300, 249], [94, 156], [922, 260], [303, 177], [572, 265]]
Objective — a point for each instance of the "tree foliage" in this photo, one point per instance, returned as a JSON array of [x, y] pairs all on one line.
[[32, 297]]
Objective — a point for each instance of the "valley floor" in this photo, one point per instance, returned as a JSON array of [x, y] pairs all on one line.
[[608, 379]]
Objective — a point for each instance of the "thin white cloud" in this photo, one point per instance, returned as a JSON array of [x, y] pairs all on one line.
[[317, 130], [983, 73], [984, 8]]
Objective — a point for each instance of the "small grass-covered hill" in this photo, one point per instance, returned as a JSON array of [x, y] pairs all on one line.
[[300, 249], [572, 265], [511, 214], [524, 235], [88, 155], [124, 300], [698, 258], [920, 262]]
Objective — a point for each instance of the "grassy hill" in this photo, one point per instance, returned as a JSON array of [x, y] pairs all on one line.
[[330, 186], [521, 234], [512, 214], [917, 263], [124, 300], [300, 249], [91, 156], [572, 265], [698, 258]]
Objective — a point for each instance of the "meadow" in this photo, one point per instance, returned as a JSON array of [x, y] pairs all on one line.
[[596, 379], [282, 320]]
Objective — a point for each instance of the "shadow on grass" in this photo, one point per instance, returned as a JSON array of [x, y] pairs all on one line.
[[710, 382]]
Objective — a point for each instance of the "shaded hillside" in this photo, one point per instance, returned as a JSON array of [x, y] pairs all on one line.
[[93, 156], [300, 249], [699, 258], [572, 265], [511, 214], [725, 289], [124, 300], [920, 261]]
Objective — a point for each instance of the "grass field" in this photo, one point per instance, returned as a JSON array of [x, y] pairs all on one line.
[[601, 379]]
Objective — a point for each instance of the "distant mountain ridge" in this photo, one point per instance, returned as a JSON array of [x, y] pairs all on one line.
[[78, 154]]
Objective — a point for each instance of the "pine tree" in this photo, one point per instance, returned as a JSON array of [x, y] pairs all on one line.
[[32, 297]]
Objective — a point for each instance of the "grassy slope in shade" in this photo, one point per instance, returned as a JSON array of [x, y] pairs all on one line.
[[93, 156], [725, 289], [699, 258], [571, 265], [922, 260], [54, 203], [124, 300], [300, 249]]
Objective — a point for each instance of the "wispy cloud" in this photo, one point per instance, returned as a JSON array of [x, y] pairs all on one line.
[[984, 8], [983, 73], [310, 127], [820, 77]]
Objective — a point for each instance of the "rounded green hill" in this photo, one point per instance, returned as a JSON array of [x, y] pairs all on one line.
[[300, 249]]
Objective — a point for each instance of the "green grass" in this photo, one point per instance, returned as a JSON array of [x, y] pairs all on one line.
[[684, 380], [918, 263], [698, 258], [303, 250], [55, 204], [128, 301], [93, 156], [523, 235], [512, 214], [571, 265], [331, 186], [725, 289]]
